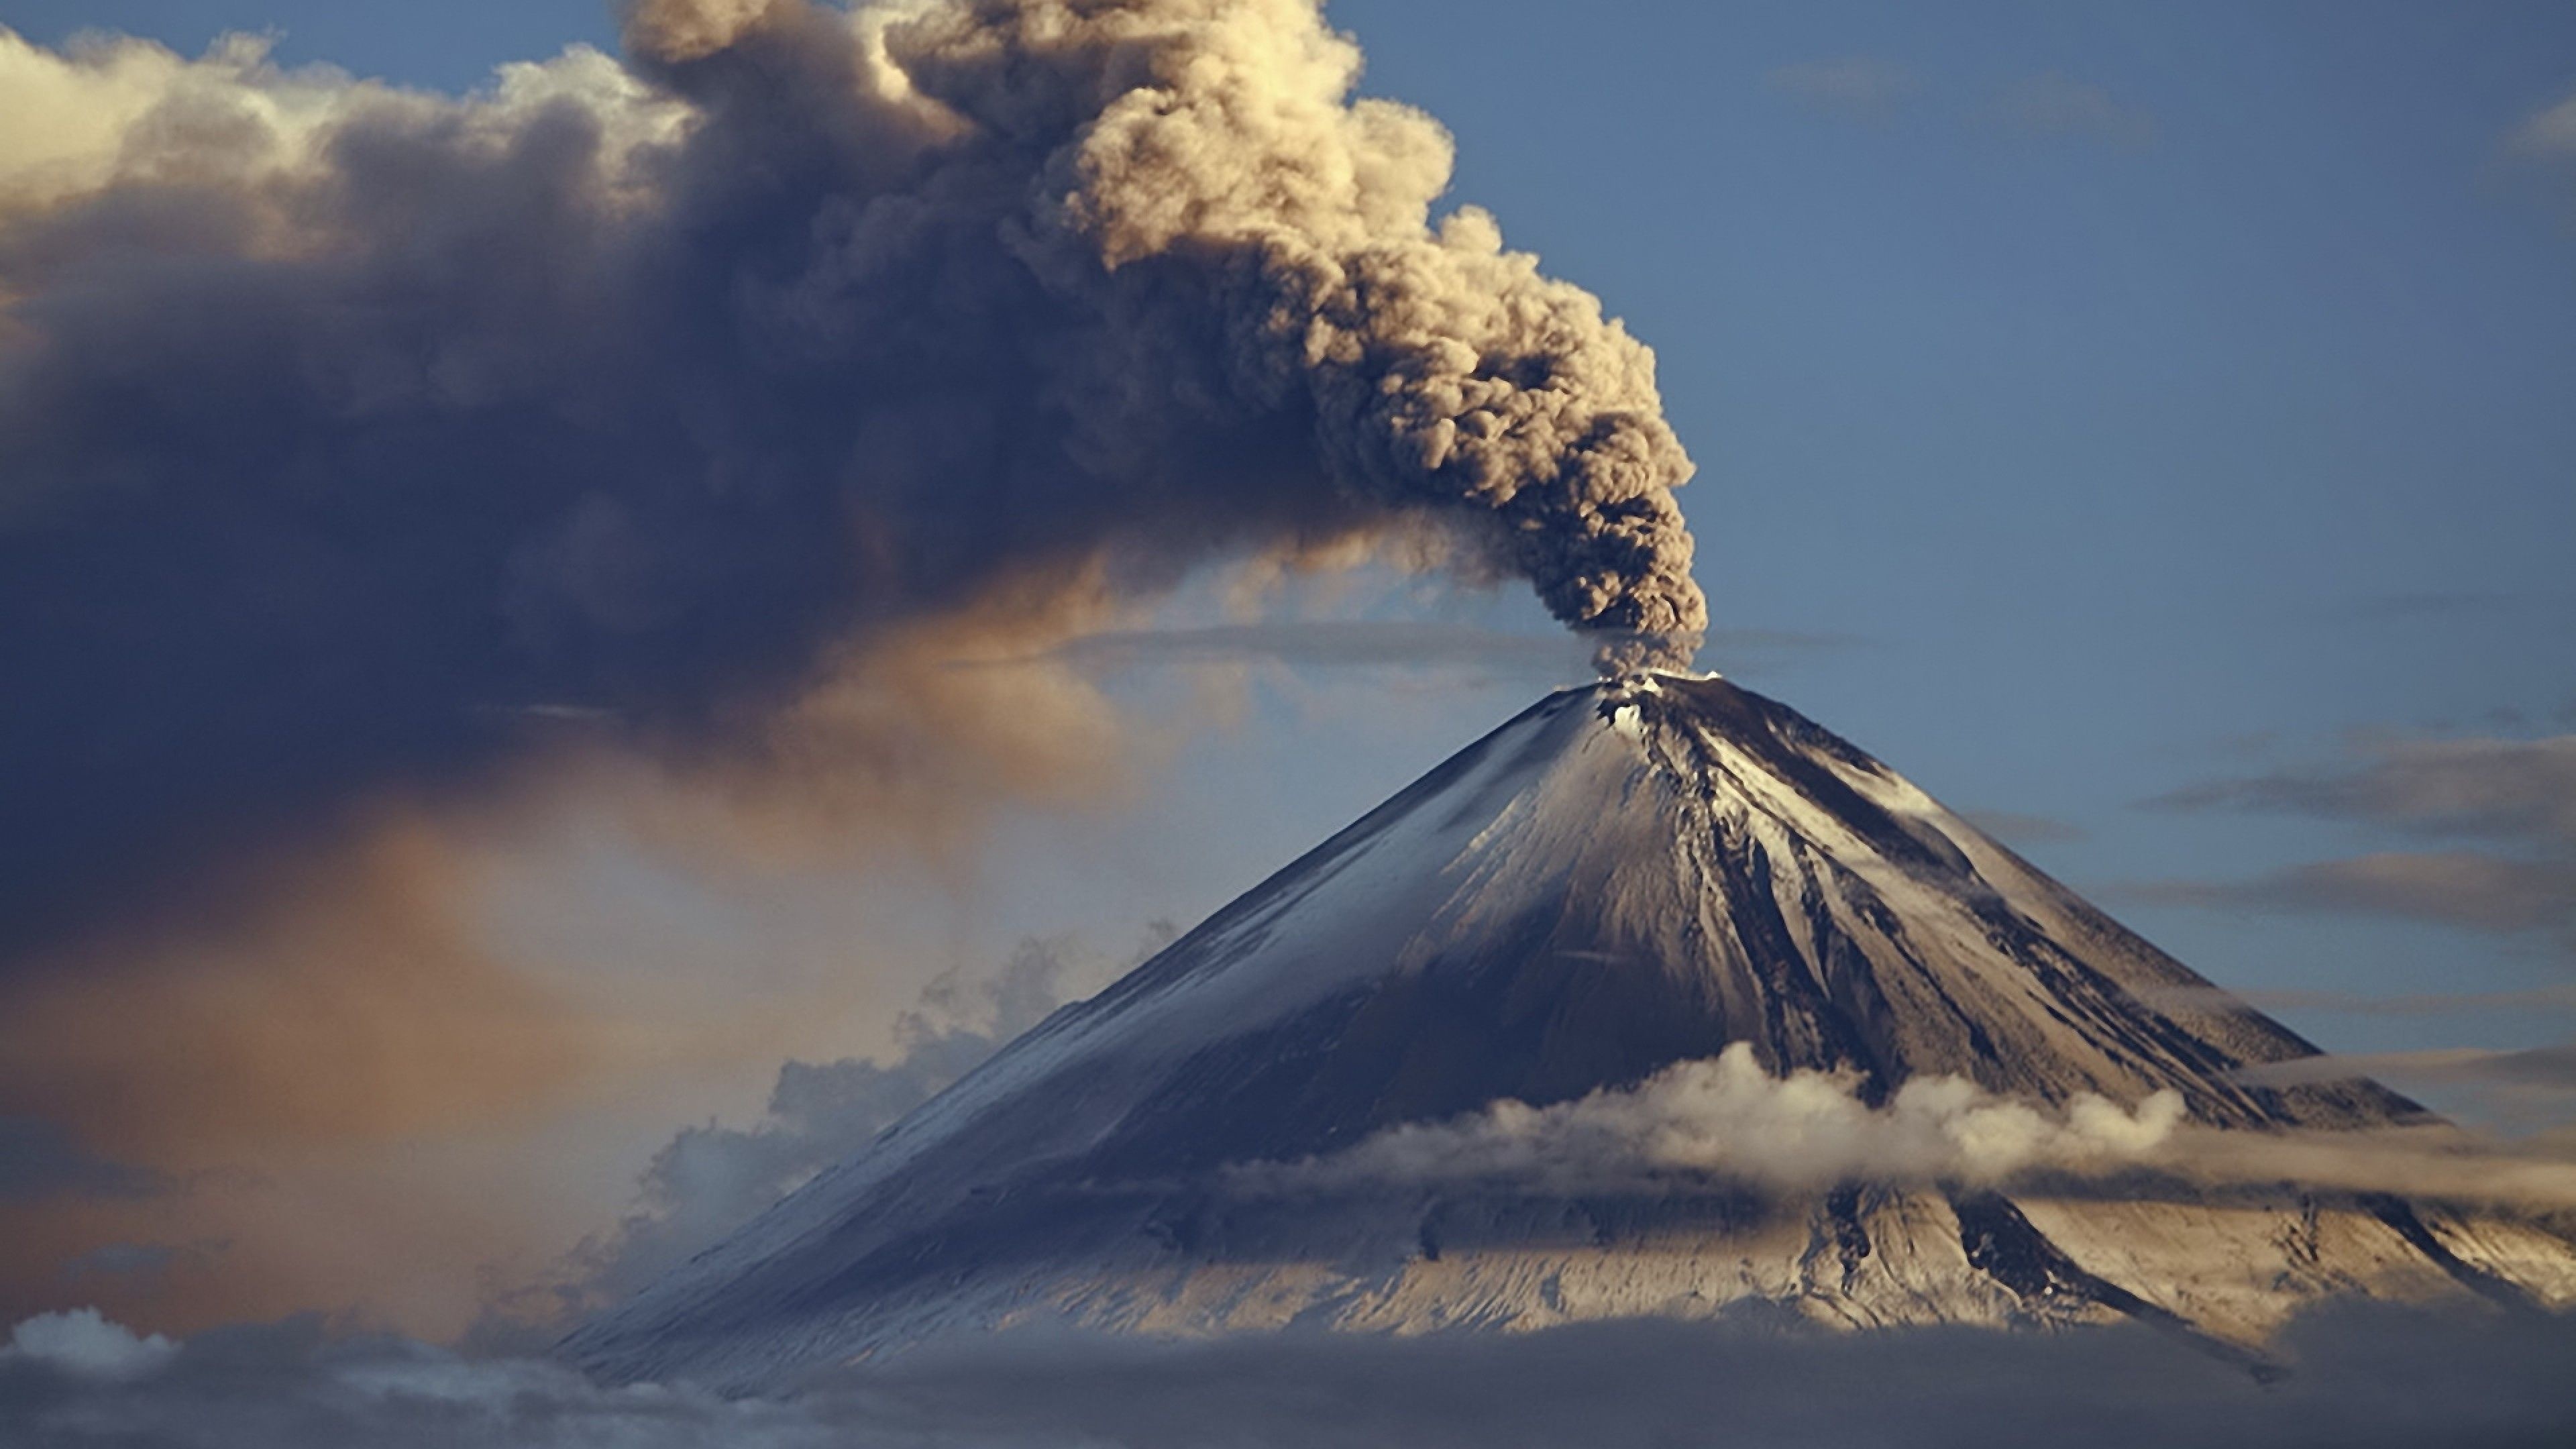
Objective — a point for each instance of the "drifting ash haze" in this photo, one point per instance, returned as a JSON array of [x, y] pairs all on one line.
[[1657, 1001], [653, 435], [344, 431]]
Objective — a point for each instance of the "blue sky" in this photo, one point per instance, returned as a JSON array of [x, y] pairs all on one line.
[[2091, 403]]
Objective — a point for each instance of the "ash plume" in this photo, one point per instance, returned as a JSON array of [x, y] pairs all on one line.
[[345, 429]]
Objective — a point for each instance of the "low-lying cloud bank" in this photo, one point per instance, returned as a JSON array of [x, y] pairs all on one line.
[[2359, 1377], [1726, 1117]]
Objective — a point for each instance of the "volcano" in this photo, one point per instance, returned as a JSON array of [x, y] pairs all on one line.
[[1626, 877]]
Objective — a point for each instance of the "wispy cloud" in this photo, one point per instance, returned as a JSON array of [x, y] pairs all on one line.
[[139, 1268], [1392, 643], [2527, 1089], [2519, 790], [2055, 104], [2549, 132], [2510, 805], [2050, 104], [2015, 828], [1726, 1119], [1330, 644], [1858, 86], [2549, 1066], [2462, 888], [2429, 1003], [2541, 152], [39, 1159], [2437, 604]]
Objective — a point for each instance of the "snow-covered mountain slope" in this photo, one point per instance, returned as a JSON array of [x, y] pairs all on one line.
[[1626, 877]]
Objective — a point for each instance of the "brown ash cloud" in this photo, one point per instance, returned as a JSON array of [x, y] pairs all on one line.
[[346, 430]]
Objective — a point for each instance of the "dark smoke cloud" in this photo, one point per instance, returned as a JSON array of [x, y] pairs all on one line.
[[350, 436], [2358, 1379]]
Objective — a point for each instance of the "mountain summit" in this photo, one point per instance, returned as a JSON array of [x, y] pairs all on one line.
[[1573, 915]]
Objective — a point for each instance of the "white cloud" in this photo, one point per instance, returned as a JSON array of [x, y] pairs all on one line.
[[2515, 799], [2529, 1088], [2522, 791], [84, 1344], [1858, 85], [2422, 1003], [2541, 154], [1725, 1118], [2464, 888], [118, 108], [2054, 104], [2015, 828], [2550, 132], [2549, 1066]]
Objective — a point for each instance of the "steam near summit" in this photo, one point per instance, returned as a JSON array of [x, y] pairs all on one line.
[[344, 421]]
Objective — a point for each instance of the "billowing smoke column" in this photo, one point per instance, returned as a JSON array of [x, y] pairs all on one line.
[[343, 427]]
